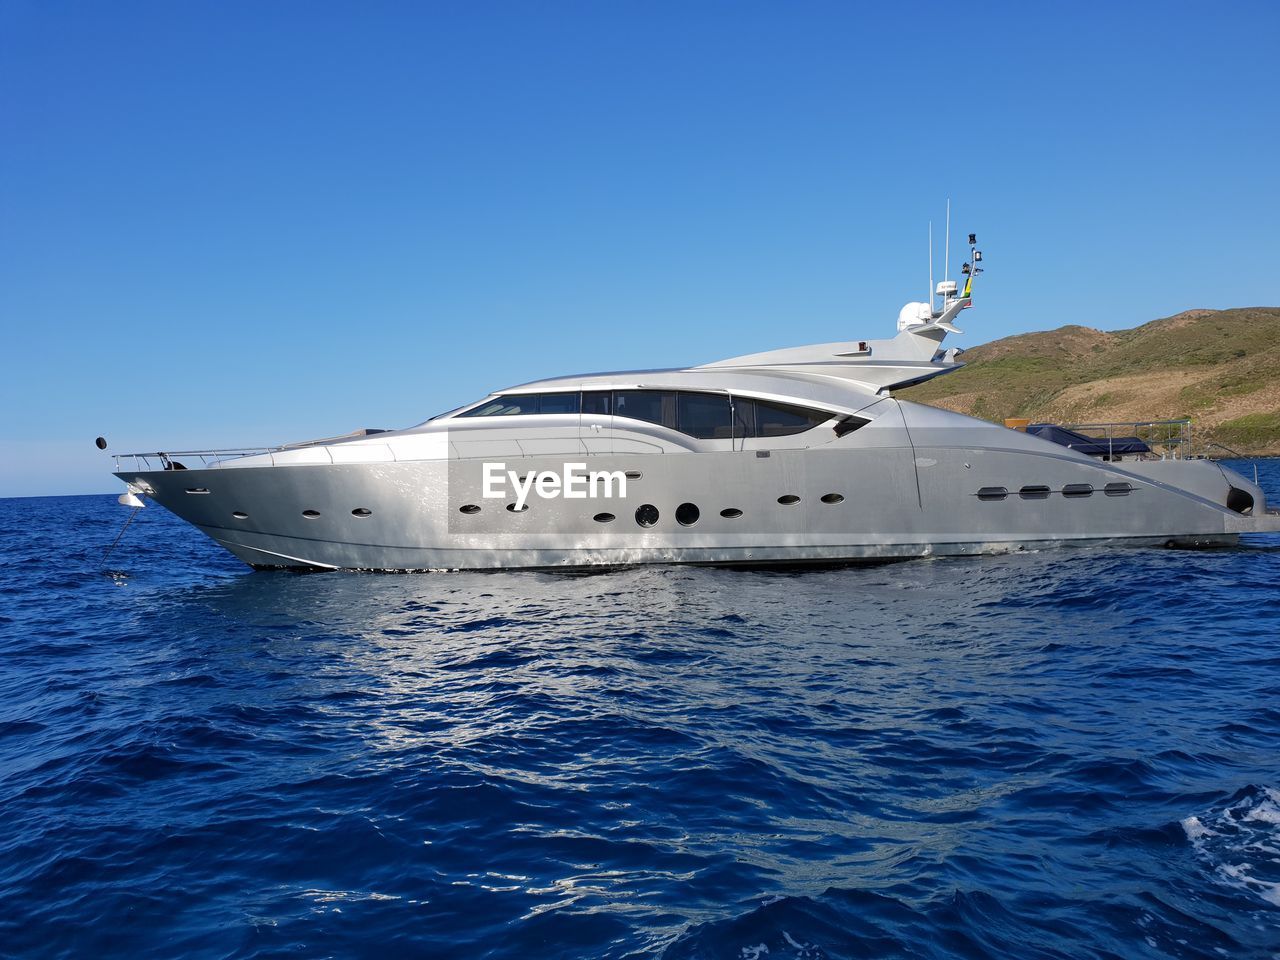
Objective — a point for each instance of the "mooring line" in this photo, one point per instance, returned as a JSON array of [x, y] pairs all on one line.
[[103, 561]]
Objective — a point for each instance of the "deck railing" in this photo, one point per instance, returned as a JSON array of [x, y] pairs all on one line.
[[1168, 439], [173, 459]]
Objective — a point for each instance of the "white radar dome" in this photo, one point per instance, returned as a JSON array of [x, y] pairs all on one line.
[[914, 314]]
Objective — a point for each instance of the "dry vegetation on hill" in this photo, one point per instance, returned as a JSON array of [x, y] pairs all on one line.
[[1220, 368]]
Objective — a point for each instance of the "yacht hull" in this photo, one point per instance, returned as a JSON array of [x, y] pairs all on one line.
[[882, 502]]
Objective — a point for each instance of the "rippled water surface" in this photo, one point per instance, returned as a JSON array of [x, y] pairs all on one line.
[[1071, 753]]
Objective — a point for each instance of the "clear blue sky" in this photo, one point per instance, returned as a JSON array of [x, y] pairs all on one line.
[[250, 223]]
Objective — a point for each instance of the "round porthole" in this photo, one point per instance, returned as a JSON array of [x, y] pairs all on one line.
[[311, 514], [731, 513], [788, 499], [687, 514], [515, 509], [240, 515], [646, 514], [469, 508], [832, 498], [604, 518], [362, 512]]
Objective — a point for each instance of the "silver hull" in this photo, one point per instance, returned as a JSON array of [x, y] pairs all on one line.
[[895, 503]]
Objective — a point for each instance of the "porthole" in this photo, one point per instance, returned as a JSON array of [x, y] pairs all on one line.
[[311, 514], [992, 493], [240, 515], [604, 518], [1121, 489], [521, 508], [788, 499], [633, 474], [832, 498], [197, 490], [1076, 490], [646, 514], [362, 512], [731, 513], [1034, 492], [469, 508], [687, 514]]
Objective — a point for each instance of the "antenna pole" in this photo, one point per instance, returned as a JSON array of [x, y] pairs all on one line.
[[931, 266], [946, 257]]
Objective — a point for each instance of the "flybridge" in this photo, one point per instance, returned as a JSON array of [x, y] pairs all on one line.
[[877, 366]]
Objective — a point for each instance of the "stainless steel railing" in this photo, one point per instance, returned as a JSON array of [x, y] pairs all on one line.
[[171, 459], [1168, 439]]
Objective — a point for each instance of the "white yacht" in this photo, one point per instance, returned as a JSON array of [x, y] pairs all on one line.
[[801, 455]]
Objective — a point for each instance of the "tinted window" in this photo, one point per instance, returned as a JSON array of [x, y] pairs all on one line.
[[558, 403], [508, 406], [783, 419], [597, 401], [704, 415], [655, 406], [744, 417]]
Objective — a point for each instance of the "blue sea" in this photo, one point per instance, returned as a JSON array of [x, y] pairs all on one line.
[[1073, 753]]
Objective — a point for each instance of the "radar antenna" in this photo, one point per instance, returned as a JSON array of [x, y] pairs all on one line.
[[953, 299]]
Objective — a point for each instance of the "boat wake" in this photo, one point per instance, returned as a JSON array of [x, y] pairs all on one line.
[[1241, 842]]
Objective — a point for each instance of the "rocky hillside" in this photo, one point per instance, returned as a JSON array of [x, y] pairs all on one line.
[[1221, 368]]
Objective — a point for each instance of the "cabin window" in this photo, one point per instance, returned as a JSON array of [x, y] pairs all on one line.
[[832, 498], [784, 420], [992, 493], [704, 415], [646, 514], [1120, 489], [731, 513], [597, 401], [524, 404], [651, 406], [765, 418], [788, 499], [1034, 492], [1078, 490], [511, 405], [558, 402]]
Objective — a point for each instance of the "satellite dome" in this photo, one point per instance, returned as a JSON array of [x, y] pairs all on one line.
[[914, 314]]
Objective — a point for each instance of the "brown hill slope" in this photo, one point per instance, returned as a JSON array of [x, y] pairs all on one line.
[[1220, 368]]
